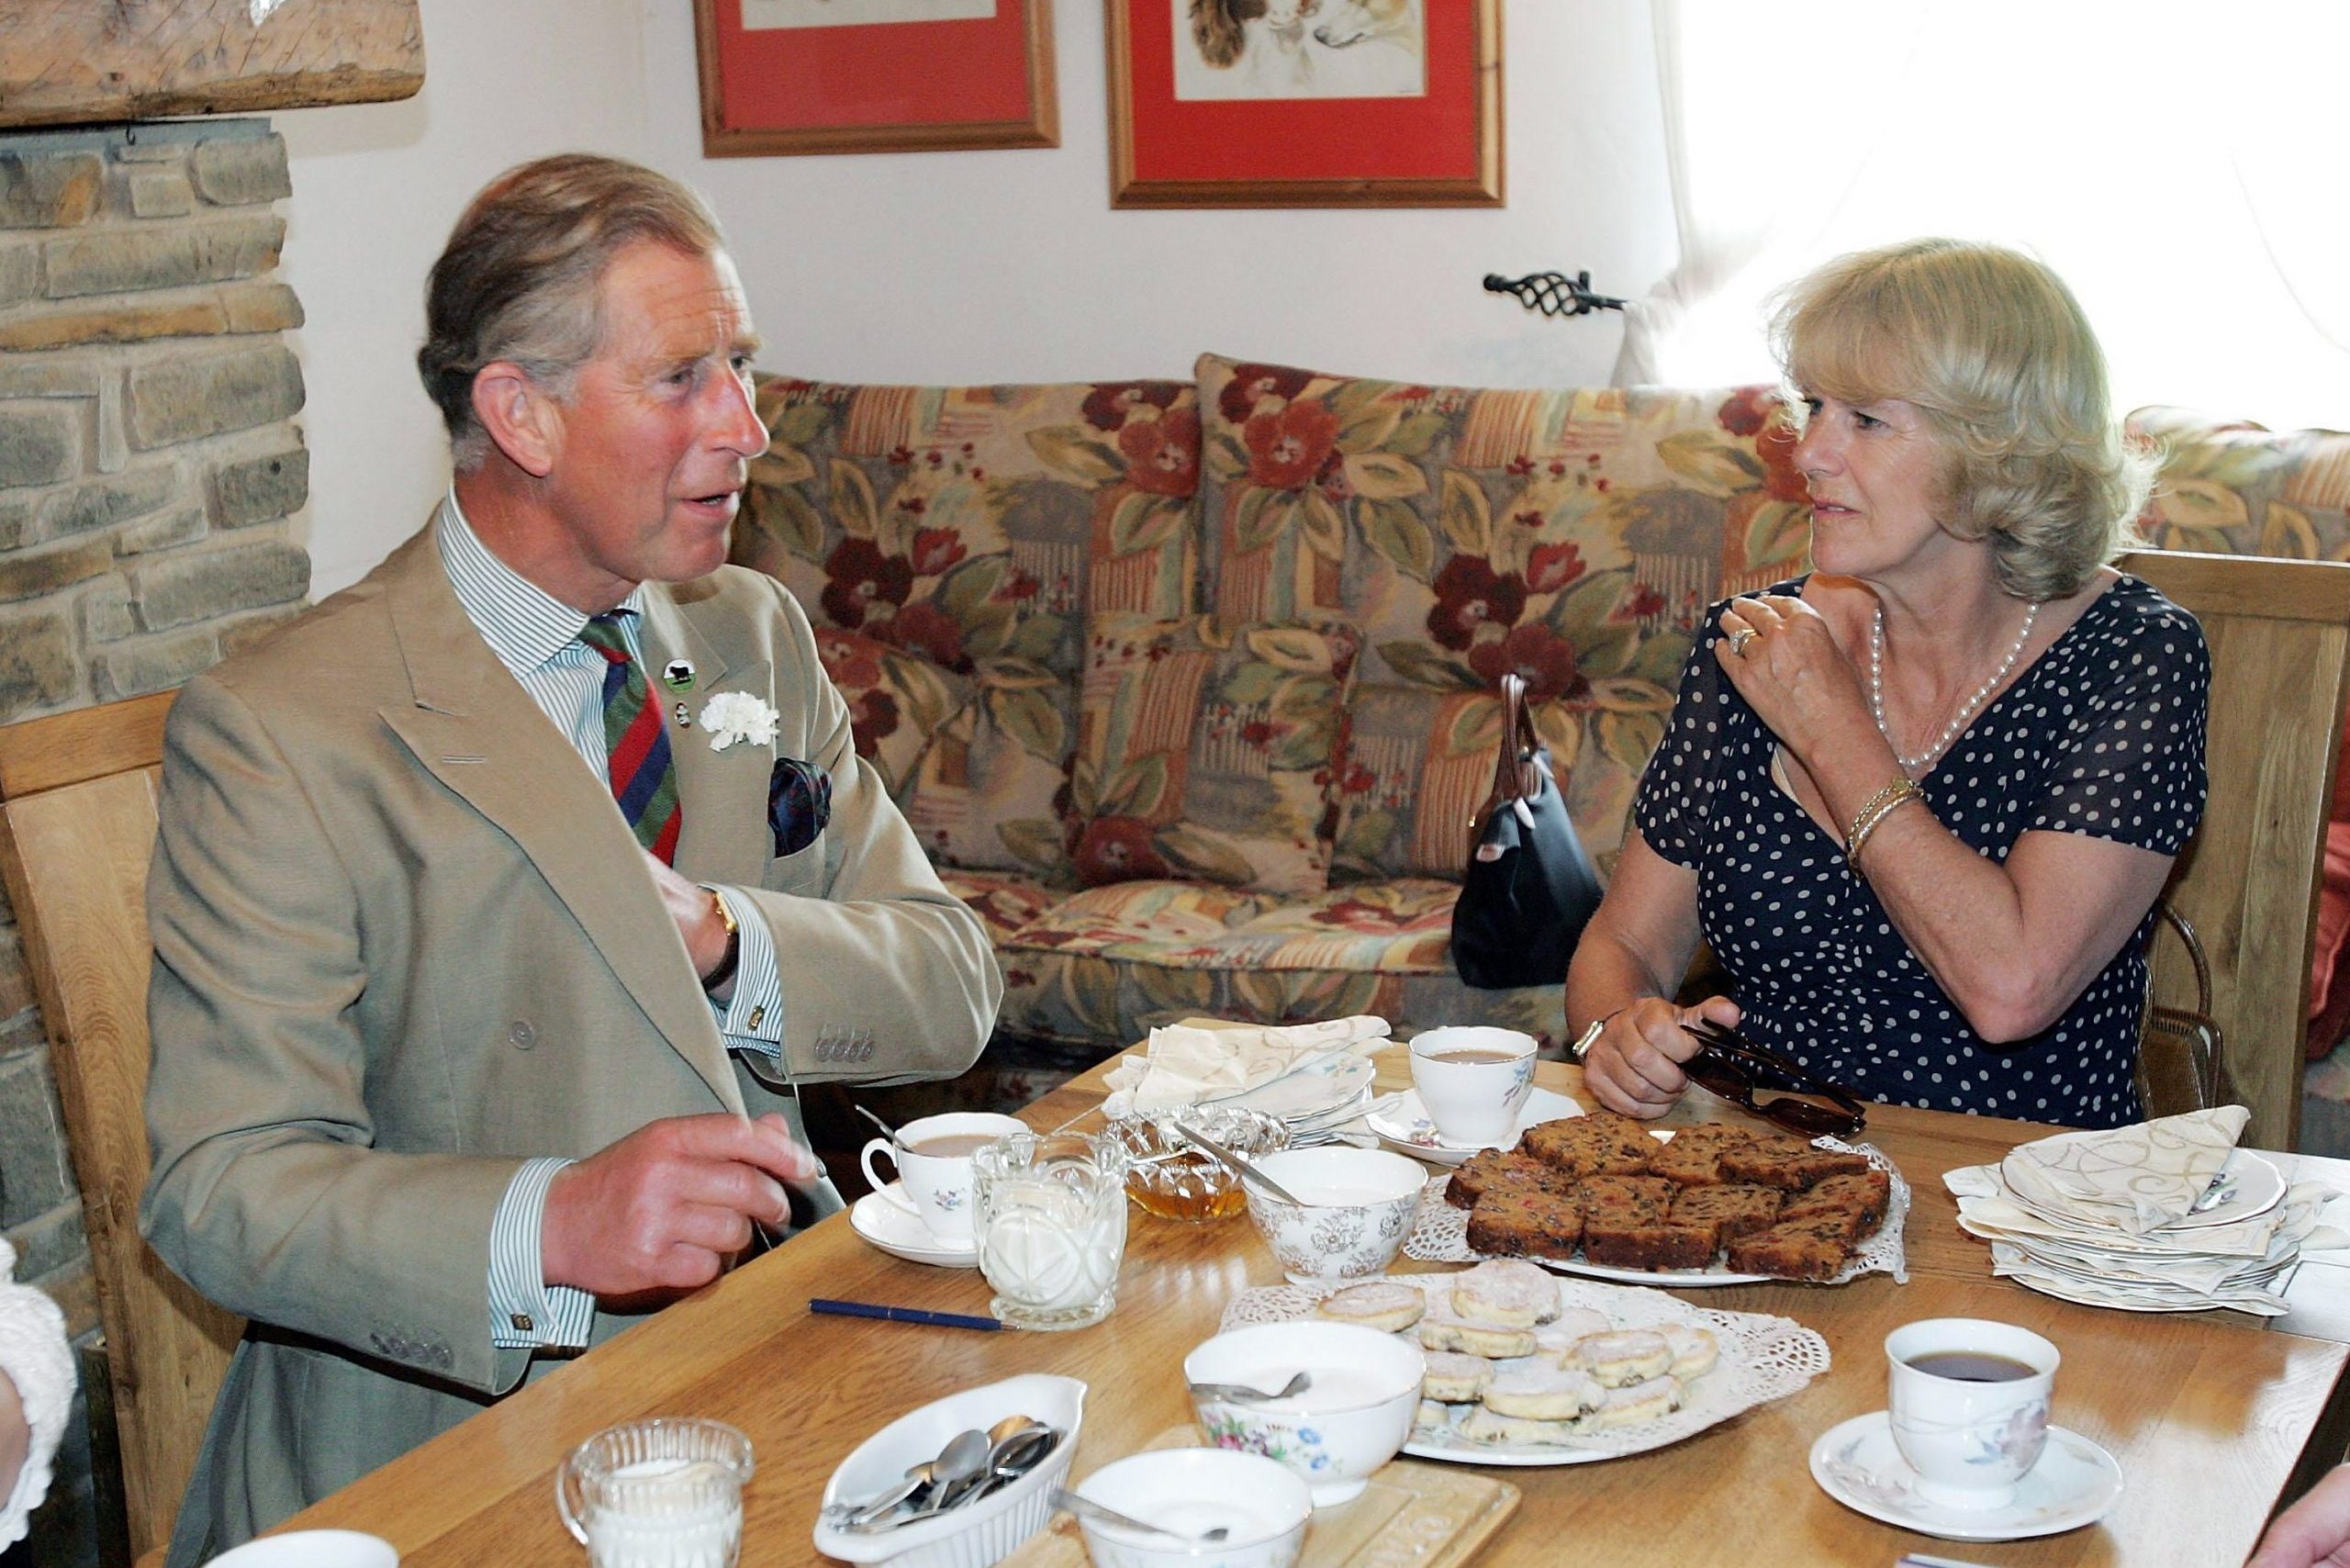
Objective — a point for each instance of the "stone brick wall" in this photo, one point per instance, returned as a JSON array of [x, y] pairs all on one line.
[[150, 469]]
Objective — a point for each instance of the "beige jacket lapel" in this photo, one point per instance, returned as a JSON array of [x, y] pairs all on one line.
[[474, 729]]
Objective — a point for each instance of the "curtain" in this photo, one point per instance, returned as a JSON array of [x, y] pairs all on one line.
[[2172, 160]]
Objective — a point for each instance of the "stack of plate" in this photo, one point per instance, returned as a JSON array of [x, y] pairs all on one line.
[[1312, 1102], [2162, 1216]]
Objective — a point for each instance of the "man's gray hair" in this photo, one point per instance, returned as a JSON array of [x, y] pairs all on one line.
[[519, 278]]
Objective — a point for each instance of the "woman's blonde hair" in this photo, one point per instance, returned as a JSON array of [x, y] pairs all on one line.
[[1992, 348]]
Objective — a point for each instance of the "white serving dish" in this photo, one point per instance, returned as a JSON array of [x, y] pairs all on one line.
[[311, 1549], [1263, 1503], [1367, 1389], [986, 1531]]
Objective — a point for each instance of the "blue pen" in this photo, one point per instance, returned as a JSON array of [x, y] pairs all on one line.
[[900, 1314]]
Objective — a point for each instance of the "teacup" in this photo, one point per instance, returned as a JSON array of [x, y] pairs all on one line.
[[1968, 1400], [934, 1160], [1473, 1081], [657, 1494]]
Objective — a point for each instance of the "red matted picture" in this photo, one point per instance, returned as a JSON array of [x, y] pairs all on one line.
[[875, 75], [1305, 102]]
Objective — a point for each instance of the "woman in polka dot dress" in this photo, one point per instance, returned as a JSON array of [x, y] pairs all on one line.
[[1920, 802]]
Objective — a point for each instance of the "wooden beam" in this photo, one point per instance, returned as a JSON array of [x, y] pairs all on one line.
[[81, 61]]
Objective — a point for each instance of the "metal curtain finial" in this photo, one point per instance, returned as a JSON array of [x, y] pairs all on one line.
[[1554, 294]]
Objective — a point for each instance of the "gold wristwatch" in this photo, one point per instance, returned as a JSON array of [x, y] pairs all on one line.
[[725, 970]]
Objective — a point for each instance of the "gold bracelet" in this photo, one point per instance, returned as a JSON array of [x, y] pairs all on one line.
[[1878, 807]]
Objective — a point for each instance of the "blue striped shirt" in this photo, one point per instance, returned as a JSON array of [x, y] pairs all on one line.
[[536, 637]]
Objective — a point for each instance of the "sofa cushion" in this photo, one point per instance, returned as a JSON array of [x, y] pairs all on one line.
[[1572, 536], [977, 527], [1205, 750], [896, 700], [1115, 961], [2235, 488]]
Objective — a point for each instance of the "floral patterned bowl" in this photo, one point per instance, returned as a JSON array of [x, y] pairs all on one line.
[[1356, 1210], [1357, 1413], [1262, 1506]]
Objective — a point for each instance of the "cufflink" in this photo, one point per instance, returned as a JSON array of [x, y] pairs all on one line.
[[522, 1323]]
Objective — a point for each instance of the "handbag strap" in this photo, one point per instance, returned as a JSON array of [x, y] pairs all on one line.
[[1516, 771]]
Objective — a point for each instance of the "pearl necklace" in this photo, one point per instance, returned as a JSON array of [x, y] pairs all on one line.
[[1967, 710]]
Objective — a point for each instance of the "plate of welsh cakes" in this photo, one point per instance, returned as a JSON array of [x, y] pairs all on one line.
[[1525, 1368], [1613, 1198]]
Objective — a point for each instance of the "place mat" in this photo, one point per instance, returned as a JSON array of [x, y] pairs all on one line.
[[1411, 1516]]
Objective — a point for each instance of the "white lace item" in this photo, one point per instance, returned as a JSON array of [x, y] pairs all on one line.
[[37, 1358]]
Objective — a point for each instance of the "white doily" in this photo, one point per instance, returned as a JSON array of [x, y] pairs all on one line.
[[1763, 1359], [1440, 1235]]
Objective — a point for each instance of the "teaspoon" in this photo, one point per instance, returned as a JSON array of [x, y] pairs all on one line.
[[1087, 1507], [1246, 1169], [1229, 1391], [960, 1462]]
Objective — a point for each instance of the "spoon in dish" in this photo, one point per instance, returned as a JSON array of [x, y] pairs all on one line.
[[1246, 1169], [958, 1464], [1086, 1508], [1241, 1392]]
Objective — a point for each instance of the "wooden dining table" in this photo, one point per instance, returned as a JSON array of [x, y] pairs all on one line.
[[2213, 1417]]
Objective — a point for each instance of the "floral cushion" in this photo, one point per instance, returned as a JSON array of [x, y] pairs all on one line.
[[1113, 962], [977, 526], [1204, 751], [1572, 536], [896, 700], [2238, 490]]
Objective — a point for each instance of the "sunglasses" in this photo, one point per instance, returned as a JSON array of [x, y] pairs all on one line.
[[1732, 1066]]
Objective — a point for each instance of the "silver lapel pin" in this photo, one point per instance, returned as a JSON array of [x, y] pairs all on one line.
[[684, 721]]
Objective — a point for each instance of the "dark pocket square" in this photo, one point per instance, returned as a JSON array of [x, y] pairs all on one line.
[[799, 802]]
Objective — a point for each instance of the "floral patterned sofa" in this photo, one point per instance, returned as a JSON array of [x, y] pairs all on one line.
[[1187, 687]]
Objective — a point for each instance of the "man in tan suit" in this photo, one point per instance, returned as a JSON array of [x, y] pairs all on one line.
[[485, 939]]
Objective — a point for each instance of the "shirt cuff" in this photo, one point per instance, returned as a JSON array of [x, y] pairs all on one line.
[[525, 1312], [752, 1019]]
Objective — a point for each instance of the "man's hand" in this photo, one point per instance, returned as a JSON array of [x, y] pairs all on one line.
[[695, 909], [665, 1207], [1635, 1065], [2313, 1532]]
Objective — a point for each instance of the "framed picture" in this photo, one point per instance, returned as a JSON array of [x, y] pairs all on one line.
[[1305, 102], [875, 75]]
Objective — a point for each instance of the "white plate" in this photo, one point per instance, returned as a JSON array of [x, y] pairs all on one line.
[[901, 1235], [1763, 1359], [1404, 1125], [2075, 1484], [1439, 1234], [1315, 1091], [2249, 1186]]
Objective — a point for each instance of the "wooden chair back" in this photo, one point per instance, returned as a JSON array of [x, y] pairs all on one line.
[[77, 825], [2279, 635]]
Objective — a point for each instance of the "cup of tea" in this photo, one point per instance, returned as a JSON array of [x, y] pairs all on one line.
[[1968, 1400], [1472, 1081], [664, 1491], [934, 1160]]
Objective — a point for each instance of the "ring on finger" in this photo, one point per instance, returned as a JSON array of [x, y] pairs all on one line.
[[1740, 638]]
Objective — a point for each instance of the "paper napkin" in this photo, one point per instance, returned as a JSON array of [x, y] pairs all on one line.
[[1185, 1063], [2133, 1179]]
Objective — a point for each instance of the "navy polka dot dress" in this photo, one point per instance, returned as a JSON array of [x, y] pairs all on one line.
[[2103, 735]]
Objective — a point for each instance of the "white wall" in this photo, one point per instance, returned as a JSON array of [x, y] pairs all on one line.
[[951, 267]]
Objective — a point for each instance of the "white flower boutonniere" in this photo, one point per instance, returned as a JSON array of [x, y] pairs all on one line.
[[734, 716]]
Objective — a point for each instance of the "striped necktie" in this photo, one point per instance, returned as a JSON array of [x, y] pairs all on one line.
[[644, 779]]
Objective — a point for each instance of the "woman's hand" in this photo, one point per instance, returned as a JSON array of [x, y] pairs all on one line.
[[1780, 655], [1635, 1065]]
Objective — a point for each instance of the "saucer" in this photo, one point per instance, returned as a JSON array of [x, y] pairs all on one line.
[[901, 1234], [2075, 1484], [1404, 1125]]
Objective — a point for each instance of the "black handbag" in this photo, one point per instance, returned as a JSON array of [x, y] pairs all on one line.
[[1529, 889]]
